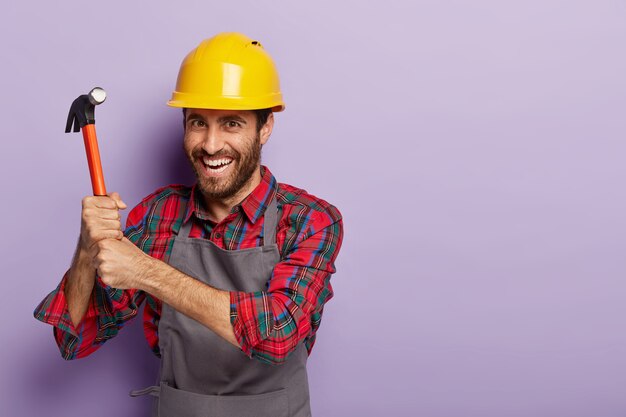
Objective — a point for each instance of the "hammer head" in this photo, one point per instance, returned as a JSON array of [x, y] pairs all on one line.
[[82, 111]]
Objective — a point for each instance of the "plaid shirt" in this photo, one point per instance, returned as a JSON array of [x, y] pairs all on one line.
[[268, 324]]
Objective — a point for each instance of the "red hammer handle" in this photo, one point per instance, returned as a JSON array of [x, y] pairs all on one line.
[[93, 159]]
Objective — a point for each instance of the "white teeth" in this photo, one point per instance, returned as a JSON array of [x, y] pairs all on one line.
[[220, 169], [216, 162]]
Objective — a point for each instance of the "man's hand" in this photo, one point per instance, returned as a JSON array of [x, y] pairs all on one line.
[[100, 219], [121, 264]]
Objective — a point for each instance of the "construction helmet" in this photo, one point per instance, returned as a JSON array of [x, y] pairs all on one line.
[[228, 72]]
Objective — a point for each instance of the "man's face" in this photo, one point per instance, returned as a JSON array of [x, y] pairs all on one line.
[[224, 149]]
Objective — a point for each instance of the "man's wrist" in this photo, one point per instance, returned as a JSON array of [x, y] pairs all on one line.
[[151, 275]]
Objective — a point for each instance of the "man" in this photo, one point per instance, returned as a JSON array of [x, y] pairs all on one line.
[[235, 270]]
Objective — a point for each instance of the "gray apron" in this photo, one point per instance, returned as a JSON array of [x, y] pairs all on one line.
[[202, 374]]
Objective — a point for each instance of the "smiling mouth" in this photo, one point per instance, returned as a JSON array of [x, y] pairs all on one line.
[[217, 165]]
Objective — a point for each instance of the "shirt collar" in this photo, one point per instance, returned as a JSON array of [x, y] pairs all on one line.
[[253, 205]]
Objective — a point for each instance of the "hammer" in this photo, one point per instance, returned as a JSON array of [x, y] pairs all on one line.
[[82, 117]]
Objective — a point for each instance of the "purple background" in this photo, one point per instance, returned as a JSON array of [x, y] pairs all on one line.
[[476, 150]]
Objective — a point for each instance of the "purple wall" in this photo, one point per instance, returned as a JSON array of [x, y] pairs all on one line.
[[476, 150]]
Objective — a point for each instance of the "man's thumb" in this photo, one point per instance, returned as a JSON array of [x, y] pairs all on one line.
[[118, 200]]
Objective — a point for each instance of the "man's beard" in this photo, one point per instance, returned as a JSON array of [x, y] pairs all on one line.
[[220, 188]]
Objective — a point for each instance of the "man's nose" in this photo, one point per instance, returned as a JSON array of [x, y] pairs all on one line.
[[213, 140]]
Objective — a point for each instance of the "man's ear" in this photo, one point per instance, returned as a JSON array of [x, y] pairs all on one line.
[[266, 130]]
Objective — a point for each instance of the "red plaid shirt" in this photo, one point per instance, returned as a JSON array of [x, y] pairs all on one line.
[[268, 324]]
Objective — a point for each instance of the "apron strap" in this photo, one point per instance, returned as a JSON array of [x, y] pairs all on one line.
[[186, 227], [270, 222]]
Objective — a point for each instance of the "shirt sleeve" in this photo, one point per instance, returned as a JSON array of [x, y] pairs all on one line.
[[270, 324], [108, 310]]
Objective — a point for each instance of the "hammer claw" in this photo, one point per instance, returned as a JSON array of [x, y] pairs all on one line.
[[70, 122]]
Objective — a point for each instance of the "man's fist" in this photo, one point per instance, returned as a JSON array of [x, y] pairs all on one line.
[[100, 219], [121, 264]]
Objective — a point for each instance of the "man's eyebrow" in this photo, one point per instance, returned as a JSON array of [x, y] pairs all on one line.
[[195, 116], [232, 117]]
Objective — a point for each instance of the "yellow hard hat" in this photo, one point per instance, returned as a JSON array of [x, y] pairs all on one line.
[[228, 72]]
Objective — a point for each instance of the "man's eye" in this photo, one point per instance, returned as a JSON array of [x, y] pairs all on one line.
[[232, 124], [197, 123]]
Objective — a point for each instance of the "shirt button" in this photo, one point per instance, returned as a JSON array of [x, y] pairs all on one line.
[[218, 235]]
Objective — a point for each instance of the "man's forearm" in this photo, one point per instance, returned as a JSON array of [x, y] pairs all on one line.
[[79, 285], [203, 303]]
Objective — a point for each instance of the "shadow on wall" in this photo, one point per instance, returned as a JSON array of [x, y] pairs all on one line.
[[125, 362], [163, 160], [103, 379]]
